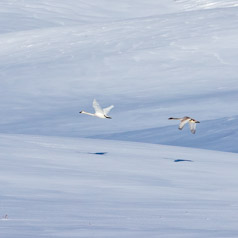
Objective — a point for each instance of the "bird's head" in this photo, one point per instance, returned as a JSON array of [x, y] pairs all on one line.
[[194, 121]]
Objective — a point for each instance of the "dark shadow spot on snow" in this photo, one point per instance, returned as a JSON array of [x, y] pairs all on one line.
[[98, 153], [183, 160]]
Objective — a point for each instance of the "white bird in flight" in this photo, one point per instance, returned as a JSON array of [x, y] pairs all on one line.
[[192, 123], [99, 112]]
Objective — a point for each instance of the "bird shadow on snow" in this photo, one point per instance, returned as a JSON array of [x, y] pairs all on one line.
[[93, 153], [97, 153], [182, 160], [179, 160]]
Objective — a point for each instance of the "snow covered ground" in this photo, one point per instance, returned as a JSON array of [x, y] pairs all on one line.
[[173, 63], [217, 134], [64, 187], [152, 59]]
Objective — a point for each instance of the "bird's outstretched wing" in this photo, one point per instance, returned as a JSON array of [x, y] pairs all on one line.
[[97, 107], [182, 123], [107, 109], [192, 126]]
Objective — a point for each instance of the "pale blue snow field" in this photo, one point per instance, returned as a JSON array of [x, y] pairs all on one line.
[[60, 187], [64, 174]]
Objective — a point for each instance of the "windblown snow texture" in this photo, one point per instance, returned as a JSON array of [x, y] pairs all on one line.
[[152, 60]]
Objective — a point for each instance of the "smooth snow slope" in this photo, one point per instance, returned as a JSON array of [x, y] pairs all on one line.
[[32, 14], [213, 134], [207, 4], [151, 59], [62, 187]]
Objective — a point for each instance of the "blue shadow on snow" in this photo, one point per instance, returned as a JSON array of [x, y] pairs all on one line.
[[182, 160]]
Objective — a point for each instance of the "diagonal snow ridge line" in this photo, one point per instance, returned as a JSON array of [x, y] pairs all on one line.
[[207, 4]]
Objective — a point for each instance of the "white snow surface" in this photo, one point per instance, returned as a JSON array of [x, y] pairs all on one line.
[[152, 60], [65, 187]]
